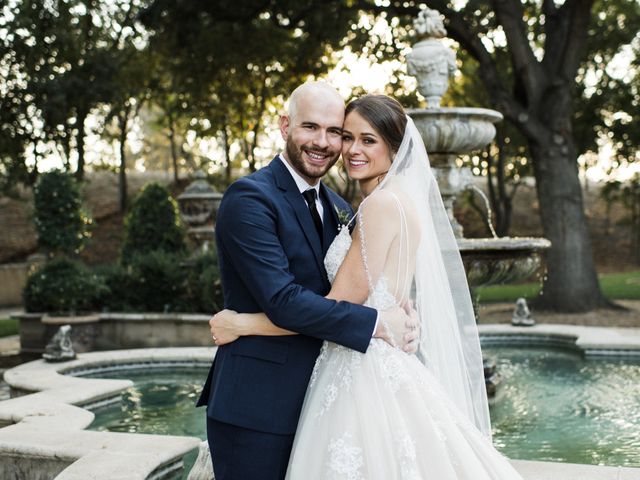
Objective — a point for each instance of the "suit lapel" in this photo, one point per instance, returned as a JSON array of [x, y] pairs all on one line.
[[330, 217], [292, 195]]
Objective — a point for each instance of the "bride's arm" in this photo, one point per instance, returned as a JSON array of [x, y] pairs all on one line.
[[351, 283]]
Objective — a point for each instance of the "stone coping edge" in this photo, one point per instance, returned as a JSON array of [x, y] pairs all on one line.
[[115, 316], [61, 404], [590, 341]]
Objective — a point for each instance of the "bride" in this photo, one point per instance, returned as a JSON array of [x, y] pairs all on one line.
[[387, 414]]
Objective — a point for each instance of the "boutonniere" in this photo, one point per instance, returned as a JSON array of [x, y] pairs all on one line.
[[343, 217]]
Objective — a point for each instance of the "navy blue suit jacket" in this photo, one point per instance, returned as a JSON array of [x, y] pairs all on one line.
[[271, 260]]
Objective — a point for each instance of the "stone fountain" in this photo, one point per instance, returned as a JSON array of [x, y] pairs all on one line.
[[452, 131]]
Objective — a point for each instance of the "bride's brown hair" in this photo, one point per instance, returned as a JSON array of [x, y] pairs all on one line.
[[386, 116]]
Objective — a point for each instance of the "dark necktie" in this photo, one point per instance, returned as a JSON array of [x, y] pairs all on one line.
[[310, 197]]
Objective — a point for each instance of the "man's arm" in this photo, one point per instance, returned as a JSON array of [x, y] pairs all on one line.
[[247, 233]]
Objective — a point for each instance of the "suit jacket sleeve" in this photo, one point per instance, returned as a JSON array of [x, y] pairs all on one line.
[[247, 232]]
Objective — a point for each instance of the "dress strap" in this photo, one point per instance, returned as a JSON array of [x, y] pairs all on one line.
[[403, 243]]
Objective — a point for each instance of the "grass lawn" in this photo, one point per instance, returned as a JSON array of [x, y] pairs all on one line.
[[616, 286], [8, 326]]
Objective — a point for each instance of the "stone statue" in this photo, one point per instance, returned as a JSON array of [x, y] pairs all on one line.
[[60, 348], [430, 61], [521, 315], [202, 469]]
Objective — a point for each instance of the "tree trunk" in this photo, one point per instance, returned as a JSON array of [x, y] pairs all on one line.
[[501, 200], [227, 155], [123, 118], [572, 282], [174, 150], [80, 145]]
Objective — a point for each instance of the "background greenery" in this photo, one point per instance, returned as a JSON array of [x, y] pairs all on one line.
[[616, 286]]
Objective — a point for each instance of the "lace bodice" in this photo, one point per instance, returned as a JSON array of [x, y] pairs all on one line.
[[380, 298]]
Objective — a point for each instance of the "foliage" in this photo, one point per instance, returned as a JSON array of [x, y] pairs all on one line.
[[59, 61], [160, 281], [118, 295], [228, 67], [617, 286], [153, 223], [62, 286], [608, 104], [204, 288], [627, 195], [60, 221], [157, 280]]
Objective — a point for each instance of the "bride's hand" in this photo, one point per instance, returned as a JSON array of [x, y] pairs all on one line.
[[412, 334], [225, 327], [399, 329]]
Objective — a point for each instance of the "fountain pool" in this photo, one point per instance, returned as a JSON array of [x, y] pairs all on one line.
[[553, 405]]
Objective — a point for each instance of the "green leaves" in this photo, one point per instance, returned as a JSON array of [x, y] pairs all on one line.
[[152, 224], [63, 286], [61, 223]]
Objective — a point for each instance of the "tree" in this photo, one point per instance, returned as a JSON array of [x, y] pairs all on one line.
[[229, 67], [153, 224], [60, 220], [62, 59], [547, 45], [129, 95]]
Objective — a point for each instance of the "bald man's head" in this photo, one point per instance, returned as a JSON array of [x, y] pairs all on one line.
[[312, 129], [310, 91]]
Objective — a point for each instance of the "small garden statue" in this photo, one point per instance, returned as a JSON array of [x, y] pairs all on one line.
[[522, 315], [60, 348]]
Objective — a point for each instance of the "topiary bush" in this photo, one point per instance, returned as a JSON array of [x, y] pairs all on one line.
[[204, 288], [61, 223], [63, 286], [157, 282], [153, 223], [118, 295]]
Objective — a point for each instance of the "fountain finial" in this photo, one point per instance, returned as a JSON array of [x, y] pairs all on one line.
[[429, 24], [430, 61]]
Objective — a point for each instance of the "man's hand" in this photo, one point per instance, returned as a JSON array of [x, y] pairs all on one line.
[[403, 329], [225, 327]]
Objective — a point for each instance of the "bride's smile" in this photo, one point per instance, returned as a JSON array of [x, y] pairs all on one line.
[[366, 154]]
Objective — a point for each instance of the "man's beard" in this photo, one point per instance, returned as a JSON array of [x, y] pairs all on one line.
[[294, 155]]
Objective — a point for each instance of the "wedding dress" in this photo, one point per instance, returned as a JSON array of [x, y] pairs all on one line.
[[385, 414]]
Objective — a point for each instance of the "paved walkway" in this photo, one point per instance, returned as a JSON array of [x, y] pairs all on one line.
[[9, 345], [502, 312]]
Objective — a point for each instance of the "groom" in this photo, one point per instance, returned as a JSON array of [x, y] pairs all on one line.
[[272, 232]]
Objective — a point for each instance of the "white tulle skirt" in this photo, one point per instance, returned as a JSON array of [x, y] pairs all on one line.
[[382, 415]]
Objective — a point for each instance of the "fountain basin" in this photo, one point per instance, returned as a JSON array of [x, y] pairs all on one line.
[[490, 261], [455, 130], [63, 404]]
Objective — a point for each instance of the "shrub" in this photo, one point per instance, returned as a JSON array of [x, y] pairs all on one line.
[[203, 284], [63, 286], [118, 294], [61, 223], [153, 224], [157, 281]]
